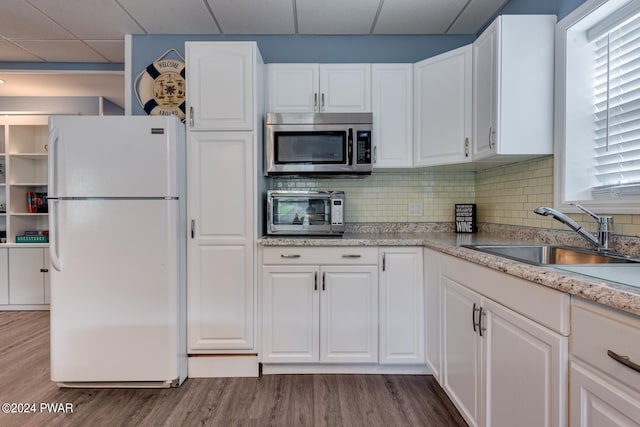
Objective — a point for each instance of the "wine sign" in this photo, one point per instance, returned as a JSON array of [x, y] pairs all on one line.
[[466, 218]]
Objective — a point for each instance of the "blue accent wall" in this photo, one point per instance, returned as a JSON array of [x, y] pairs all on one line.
[[304, 48]]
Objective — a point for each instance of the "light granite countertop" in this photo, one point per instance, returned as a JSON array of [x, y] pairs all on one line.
[[612, 294]]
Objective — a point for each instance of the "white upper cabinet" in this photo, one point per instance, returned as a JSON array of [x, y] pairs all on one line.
[[326, 88], [220, 88], [513, 63], [392, 107], [442, 108]]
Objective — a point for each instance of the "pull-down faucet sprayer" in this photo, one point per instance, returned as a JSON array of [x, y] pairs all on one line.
[[601, 241]]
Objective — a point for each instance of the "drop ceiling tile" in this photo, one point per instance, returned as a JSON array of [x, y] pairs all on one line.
[[171, 16], [113, 50], [20, 20], [336, 16], [417, 16], [475, 16], [9, 52], [61, 50], [90, 19], [254, 17]]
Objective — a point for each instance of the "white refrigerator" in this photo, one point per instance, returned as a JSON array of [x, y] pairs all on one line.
[[117, 242]]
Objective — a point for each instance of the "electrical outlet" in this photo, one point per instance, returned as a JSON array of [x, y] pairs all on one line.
[[415, 209]]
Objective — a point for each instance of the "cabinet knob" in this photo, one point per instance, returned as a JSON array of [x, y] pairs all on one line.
[[44, 270]]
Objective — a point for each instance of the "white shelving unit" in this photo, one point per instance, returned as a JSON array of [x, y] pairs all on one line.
[[24, 281], [23, 150]]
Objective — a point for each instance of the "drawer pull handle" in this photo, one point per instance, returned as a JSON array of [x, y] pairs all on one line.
[[289, 256], [351, 256], [624, 360]]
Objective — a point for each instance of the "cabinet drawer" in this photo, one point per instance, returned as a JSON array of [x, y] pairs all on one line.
[[326, 255], [597, 330]]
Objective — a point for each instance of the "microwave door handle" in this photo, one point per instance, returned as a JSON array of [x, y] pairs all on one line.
[[350, 146]]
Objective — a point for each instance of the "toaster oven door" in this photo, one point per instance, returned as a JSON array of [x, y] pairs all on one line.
[[292, 214]]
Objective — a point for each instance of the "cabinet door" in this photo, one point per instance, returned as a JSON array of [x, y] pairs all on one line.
[[290, 318], [4, 276], [461, 350], [46, 277], [293, 88], [220, 253], [220, 85], [443, 108], [26, 281], [525, 378], [401, 306], [349, 314], [432, 308], [345, 88], [485, 81], [392, 107], [598, 402]]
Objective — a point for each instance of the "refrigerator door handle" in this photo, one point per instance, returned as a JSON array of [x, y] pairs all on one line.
[[51, 149], [54, 257]]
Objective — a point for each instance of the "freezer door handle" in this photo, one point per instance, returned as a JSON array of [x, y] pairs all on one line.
[[52, 152], [53, 234]]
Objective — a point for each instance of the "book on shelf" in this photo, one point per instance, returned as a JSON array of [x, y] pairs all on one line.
[[36, 233], [32, 239], [37, 202]]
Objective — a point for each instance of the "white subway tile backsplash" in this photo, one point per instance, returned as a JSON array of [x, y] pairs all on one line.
[[504, 194]]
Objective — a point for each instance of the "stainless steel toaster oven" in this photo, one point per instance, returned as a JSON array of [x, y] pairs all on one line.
[[305, 212]]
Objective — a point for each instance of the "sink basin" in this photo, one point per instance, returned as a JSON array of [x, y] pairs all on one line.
[[551, 254]]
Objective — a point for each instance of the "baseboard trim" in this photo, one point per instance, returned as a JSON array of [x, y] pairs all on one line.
[[275, 369], [217, 366]]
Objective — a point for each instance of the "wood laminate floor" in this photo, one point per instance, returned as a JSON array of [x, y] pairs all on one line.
[[271, 400]]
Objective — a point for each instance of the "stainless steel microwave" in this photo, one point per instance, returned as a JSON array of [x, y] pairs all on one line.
[[305, 212], [318, 143]]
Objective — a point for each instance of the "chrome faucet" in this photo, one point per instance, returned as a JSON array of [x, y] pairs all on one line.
[[601, 241]]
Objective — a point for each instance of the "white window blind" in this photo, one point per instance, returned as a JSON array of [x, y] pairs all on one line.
[[617, 108]]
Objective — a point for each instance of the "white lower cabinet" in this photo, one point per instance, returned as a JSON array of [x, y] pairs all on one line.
[[604, 366], [596, 401], [502, 366], [221, 250], [28, 276], [432, 310], [319, 313], [401, 305]]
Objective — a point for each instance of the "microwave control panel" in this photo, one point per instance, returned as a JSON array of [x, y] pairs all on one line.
[[363, 147], [337, 212]]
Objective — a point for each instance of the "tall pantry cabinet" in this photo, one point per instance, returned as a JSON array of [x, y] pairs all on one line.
[[225, 186]]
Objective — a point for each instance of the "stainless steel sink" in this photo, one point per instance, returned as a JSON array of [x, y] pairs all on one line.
[[551, 254]]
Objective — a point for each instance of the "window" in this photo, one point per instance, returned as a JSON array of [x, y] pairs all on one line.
[[598, 107]]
